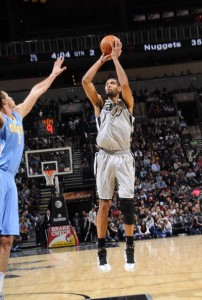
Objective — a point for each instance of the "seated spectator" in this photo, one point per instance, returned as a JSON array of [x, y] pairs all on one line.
[[115, 213], [24, 230], [159, 226], [167, 227], [155, 166], [175, 189], [143, 173], [191, 177], [177, 164], [142, 215], [112, 233], [138, 153], [150, 223], [26, 214], [144, 232], [146, 162], [195, 227], [136, 232], [161, 184]]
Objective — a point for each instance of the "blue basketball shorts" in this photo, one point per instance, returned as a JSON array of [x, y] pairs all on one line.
[[9, 215]]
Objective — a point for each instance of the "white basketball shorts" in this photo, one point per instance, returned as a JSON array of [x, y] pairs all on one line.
[[110, 169]]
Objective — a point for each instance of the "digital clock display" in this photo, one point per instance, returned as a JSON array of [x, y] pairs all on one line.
[[47, 127], [72, 54], [67, 54]]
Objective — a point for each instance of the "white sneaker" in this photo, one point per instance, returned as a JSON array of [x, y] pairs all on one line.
[[129, 267], [105, 268], [102, 260], [129, 259]]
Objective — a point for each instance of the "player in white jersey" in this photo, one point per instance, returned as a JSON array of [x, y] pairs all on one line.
[[114, 162]]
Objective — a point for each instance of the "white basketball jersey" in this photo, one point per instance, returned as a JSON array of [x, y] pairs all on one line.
[[115, 126]]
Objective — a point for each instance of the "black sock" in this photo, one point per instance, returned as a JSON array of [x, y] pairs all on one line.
[[101, 243], [129, 241]]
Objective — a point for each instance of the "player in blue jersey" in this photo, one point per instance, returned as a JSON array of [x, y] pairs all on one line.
[[11, 149], [114, 163]]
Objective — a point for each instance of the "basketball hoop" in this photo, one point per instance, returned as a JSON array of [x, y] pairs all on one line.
[[49, 176]]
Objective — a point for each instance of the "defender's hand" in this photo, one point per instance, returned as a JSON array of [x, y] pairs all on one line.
[[57, 68]]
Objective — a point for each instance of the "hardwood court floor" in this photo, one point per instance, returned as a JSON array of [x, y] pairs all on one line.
[[169, 268]]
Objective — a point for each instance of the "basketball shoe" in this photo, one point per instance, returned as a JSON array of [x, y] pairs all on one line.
[[129, 259], [102, 260]]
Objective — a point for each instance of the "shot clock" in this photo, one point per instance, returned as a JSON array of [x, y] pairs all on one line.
[[47, 127]]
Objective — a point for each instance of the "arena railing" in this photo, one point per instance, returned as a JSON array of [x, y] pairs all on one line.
[[154, 35]]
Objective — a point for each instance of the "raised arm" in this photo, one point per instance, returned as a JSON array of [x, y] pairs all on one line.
[[39, 89], [89, 87], [122, 77]]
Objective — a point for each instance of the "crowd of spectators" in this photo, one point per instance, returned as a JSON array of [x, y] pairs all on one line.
[[168, 180], [160, 104], [28, 201], [168, 170]]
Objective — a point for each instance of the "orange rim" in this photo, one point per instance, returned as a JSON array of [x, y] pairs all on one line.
[[49, 172]]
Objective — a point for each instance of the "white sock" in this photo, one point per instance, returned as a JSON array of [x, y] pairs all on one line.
[[2, 275]]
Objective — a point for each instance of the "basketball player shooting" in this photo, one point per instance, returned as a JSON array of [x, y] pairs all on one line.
[[114, 161], [11, 150]]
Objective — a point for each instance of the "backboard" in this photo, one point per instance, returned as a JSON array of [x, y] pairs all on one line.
[[59, 159]]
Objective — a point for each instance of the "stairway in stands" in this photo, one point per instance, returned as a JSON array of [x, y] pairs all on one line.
[[75, 180], [31, 242], [44, 198]]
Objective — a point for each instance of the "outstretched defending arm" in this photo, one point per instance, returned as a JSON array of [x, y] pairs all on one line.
[[39, 89]]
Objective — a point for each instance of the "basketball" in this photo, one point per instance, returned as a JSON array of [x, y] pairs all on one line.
[[105, 46]]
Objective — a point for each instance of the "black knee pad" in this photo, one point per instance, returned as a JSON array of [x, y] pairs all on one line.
[[127, 209]]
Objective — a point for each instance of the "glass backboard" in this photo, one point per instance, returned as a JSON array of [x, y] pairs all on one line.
[[59, 159]]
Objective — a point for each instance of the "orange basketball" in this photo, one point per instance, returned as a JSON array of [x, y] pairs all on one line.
[[105, 46]]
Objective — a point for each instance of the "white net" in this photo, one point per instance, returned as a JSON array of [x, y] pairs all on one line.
[[49, 176]]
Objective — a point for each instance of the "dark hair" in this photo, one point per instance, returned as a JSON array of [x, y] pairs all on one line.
[[118, 83]]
